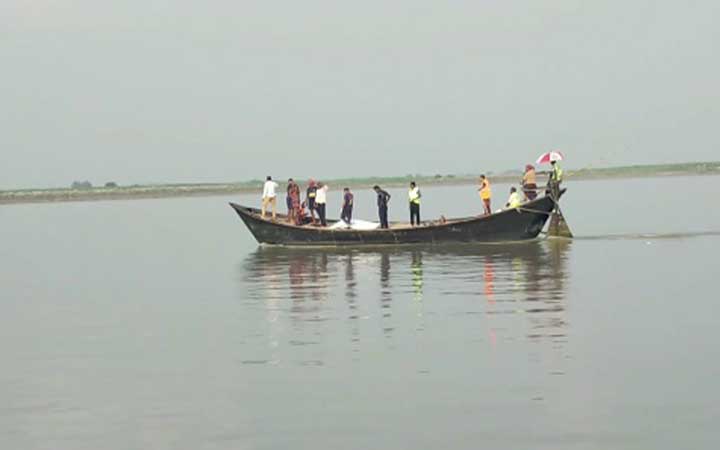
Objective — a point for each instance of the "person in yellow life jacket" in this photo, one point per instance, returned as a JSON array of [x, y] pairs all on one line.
[[414, 199], [514, 200], [557, 173], [556, 177], [485, 193]]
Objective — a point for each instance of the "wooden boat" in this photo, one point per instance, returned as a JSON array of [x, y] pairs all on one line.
[[517, 224]]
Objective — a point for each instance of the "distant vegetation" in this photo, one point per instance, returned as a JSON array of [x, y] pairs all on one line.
[[693, 168], [81, 185], [84, 190]]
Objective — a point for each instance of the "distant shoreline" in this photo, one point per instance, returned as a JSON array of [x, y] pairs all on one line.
[[26, 196]]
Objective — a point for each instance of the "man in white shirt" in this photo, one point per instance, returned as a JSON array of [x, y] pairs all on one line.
[[320, 201], [269, 197]]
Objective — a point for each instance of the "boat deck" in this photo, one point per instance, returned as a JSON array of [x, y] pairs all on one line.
[[393, 225]]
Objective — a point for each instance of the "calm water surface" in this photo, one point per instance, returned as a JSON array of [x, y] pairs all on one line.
[[161, 324]]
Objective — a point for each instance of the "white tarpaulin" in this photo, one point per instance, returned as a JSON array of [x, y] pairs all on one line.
[[355, 225]]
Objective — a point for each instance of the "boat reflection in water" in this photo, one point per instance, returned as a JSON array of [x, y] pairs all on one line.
[[510, 291]]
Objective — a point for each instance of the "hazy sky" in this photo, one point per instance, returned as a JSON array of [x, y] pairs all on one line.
[[140, 91]]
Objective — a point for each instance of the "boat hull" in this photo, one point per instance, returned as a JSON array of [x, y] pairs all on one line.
[[510, 225]]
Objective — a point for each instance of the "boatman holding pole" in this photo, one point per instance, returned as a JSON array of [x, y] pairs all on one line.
[[414, 198], [556, 176], [382, 201]]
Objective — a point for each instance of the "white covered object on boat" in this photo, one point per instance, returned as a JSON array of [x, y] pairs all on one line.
[[355, 225]]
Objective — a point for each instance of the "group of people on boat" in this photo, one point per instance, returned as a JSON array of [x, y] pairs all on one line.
[[529, 188], [316, 202], [316, 198]]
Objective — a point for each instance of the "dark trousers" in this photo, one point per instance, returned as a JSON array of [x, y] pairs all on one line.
[[530, 191], [320, 208], [554, 189], [346, 214], [382, 212], [414, 214], [311, 207]]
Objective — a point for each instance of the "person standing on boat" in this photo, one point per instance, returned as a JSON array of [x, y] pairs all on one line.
[[514, 200], [295, 203], [383, 198], [288, 200], [320, 202], [556, 177], [269, 197], [529, 183], [414, 199], [485, 194], [310, 196], [347, 208]]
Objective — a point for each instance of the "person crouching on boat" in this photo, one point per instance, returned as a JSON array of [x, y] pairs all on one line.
[[485, 194], [414, 199], [310, 196], [301, 217], [347, 207], [383, 198], [514, 200], [269, 197], [529, 183], [320, 203]]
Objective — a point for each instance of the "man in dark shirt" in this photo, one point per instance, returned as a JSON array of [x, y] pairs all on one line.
[[310, 196], [382, 201], [347, 207]]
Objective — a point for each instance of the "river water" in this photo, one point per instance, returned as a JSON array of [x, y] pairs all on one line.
[[160, 324]]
